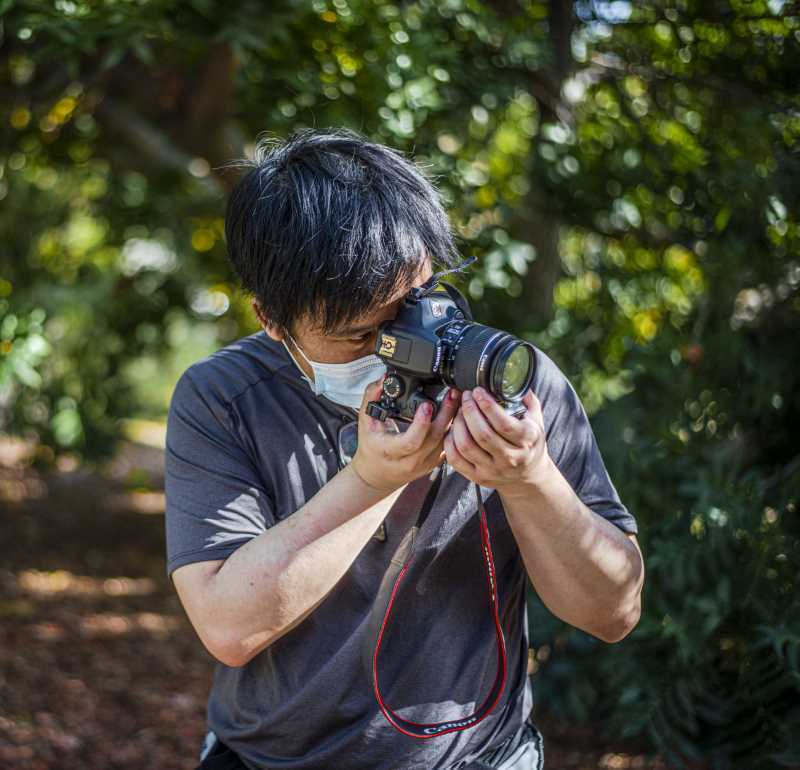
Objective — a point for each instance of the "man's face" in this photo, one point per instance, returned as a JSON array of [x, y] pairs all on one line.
[[348, 343]]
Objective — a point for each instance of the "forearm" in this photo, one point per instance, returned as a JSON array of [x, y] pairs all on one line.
[[585, 570], [270, 584]]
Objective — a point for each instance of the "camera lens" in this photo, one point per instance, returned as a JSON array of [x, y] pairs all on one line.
[[496, 360], [511, 372]]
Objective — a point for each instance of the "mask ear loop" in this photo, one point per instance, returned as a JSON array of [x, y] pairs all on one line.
[[299, 368], [299, 349]]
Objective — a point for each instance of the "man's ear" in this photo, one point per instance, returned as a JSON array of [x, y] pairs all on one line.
[[269, 328]]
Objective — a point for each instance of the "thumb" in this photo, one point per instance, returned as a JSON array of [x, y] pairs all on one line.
[[532, 403], [372, 392]]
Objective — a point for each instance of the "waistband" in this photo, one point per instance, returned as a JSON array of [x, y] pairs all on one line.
[[497, 755]]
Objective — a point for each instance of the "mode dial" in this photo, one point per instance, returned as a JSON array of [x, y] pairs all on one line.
[[393, 386]]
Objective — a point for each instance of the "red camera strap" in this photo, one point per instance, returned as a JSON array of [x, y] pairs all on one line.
[[393, 578]]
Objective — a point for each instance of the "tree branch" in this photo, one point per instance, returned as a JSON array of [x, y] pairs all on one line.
[[151, 142]]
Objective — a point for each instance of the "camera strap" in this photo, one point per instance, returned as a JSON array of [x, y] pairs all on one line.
[[382, 609], [426, 288]]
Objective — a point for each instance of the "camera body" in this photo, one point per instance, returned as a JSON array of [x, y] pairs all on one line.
[[433, 344]]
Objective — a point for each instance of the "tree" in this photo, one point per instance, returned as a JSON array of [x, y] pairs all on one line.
[[627, 174]]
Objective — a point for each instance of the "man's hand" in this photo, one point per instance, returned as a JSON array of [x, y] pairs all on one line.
[[387, 459], [494, 449], [581, 565]]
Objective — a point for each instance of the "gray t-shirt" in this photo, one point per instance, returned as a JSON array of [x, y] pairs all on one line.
[[249, 443]]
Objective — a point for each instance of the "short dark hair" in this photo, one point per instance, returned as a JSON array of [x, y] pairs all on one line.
[[330, 224]]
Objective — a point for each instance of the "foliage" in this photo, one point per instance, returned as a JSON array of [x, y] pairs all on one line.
[[627, 174]]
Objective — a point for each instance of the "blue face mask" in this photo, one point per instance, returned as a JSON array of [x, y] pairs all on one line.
[[342, 383]]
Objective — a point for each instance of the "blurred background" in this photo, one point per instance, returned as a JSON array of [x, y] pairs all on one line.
[[629, 176]]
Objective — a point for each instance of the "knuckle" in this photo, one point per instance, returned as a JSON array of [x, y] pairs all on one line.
[[471, 452], [514, 428], [520, 429]]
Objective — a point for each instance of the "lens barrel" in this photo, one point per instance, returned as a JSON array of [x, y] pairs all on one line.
[[482, 356]]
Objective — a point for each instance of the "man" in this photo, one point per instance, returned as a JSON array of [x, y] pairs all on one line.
[[278, 537]]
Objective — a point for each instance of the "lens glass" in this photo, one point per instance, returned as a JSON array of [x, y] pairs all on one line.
[[515, 372]]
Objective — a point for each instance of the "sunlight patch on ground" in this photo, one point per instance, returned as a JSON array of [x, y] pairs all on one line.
[[112, 624], [624, 762], [15, 490], [66, 583], [138, 501], [15, 450], [47, 632]]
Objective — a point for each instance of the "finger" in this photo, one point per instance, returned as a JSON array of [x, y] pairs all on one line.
[[435, 457], [466, 444], [371, 393], [533, 418], [391, 426], [512, 429], [456, 460], [412, 440], [483, 434], [447, 411], [533, 405]]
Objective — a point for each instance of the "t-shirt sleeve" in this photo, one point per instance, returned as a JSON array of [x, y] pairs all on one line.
[[572, 445], [215, 498]]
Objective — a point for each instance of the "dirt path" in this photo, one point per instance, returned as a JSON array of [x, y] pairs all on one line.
[[99, 668]]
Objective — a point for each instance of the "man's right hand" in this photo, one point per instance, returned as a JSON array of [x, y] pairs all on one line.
[[292, 566], [386, 459]]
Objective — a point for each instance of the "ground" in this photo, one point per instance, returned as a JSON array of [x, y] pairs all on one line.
[[99, 667]]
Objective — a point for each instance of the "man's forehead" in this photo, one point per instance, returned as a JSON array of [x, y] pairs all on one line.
[[374, 317], [419, 279], [422, 276], [367, 322]]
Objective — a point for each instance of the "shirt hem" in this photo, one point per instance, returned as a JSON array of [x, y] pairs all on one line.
[[203, 554]]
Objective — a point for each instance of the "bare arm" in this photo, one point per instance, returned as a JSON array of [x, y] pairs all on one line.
[[582, 566], [271, 583]]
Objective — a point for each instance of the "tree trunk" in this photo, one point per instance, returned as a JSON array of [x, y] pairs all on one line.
[[538, 224]]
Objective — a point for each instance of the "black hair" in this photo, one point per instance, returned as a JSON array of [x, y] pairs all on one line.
[[330, 224]]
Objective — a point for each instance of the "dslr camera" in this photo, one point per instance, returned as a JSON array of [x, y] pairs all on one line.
[[434, 344]]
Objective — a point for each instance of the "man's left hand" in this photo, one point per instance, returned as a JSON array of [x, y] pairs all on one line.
[[494, 449]]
